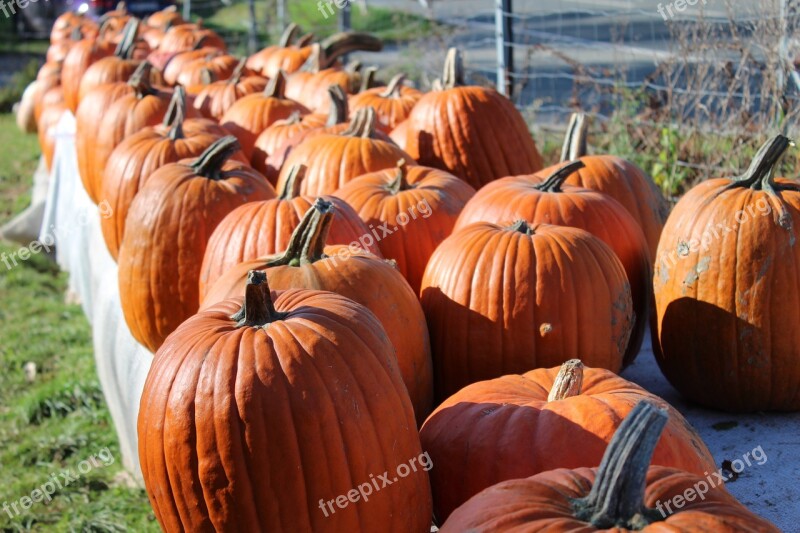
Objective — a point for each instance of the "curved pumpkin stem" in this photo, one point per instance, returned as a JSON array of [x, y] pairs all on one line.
[[521, 226], [288, 35], [453, 74], [276, 87], [368, 79], [291, 189], [339, 110], [554, 182], [176, 113], [307, 243], [238, 72], [395, 87], [209, 164], [305, 40], [126, 46], [363, 124], [568, 382], [343, 43], [575, 140], [617, 496], [257, 309], [140, 80], [400, 183]]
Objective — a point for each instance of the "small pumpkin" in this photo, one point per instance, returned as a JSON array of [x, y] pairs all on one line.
[[505, 299], [185, 37], [302, 388], [165, 18], [258, 61], [621, 495], [48, 119], [534, 419], [473, 132], [412, 208], [219, 95], [392, 103], [364, 278], [166, 232]]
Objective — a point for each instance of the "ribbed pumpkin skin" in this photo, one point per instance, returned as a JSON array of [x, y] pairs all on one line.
[[219, 96], [221, 67], [544, 503], [311, 88], [391, 110], [77, 61], [333, 160], [109, 69], [260, 229], [252, 114], [137, 158], [724, 303], [248, 429], [531, 435], [365, 279], [166, 232], [429, 206], [515, 198], [275, 141], [473, 132], [499, 301], [399, 134]]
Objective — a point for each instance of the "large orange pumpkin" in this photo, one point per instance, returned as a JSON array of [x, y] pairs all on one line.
[[473, 132], [218, 96], [621, 495], [413, 209], [78, 60], [503, 300], [530, 417], [364, 278], [263, 414], [545, 199], [204, 70], [288, 58], [727, 262], [333, 160], [260, 229], [392, 103], [136, 159], [166, 231]]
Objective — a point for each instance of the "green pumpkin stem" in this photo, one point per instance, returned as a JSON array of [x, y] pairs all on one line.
[[291, 189], [760, 174], [176, 113], [140, 80], [307, 243], [568, 382], [210, 162], [339, 110], [395, 87], [126, 46], [400, 182], [453, 75], [288, 35], [521, 226], [258, 309], [575, 140], [555, 180], [276, 87], [617, 496], [363, 124]]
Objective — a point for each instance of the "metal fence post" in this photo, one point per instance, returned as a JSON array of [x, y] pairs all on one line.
[[187, 9], [504, 32], [282, 14], [344, 18]]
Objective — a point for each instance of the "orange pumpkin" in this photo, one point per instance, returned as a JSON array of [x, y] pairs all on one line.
[[258, 61], [413, 208], [78, 60], [392, 103], [473, 132], [207, 69], [502, 300], [50, 115], [533, 415], [166, 232], [218, 96], [364, 278], [165, 19], [185, 37], [272, 406]]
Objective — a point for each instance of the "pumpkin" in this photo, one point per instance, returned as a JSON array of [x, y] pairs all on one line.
[[165, 19], [392, 103], [505, 299], [135, 160], [258, 61], [185, 37], [532, 417], [270, 408], [473, 132], [48, 92], [218, 96], [181, 61], [259, 229], [25, 116], [207, 69], [618, 178], [412, 208], [272, 147], [727, 262], [545, 199], [80, 57], [112, 22], [621, 495], [166, 231], [48, 119], [252, 114], [66, 23], [333, 160], [364, 278]]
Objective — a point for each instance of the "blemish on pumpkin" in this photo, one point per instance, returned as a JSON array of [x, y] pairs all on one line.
[[683, 249], [691, 277], [489, 410], [545, 328], [702, 266]]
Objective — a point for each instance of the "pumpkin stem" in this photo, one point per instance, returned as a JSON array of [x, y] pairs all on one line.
[[400, 183], [258, 309], [343, 43], [307, 243], [210, 162], [554, 182], [617, 496], [760, 174], [395, 87], [568, 382], [140, 80], [277, 85], [291, 189], [339, 109], [363, 124], [521, 226], [125, 47], [368, 78], [238, 72], [77, 34], [305, 40], [176, 112], [453, 74], [288, 35], [206, 76], [575, 140]]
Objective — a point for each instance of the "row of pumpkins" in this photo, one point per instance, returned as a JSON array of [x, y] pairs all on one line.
[[322, 263]]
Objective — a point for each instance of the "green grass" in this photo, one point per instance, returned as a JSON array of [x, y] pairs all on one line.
[[60, 418]]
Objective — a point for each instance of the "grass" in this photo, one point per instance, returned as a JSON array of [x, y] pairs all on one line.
[[58, 419]]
